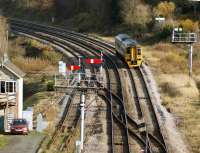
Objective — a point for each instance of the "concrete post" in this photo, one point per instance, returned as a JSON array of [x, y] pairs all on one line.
[[20, 97], [78, 143], [82, 105], [173, 35], [190, 59]]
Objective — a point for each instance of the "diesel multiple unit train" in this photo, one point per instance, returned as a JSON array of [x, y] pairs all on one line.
[[129, 49]]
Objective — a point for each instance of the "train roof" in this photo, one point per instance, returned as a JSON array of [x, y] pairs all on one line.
[[130, 42], [122, 37], [126, 40]]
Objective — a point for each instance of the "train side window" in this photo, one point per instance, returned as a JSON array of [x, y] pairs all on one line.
[[139, 51]]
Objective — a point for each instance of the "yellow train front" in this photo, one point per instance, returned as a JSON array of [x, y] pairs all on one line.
[[129, 49]]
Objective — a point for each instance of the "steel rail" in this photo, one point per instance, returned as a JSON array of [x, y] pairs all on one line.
[[160, 138], [123, 105], [111, 49], [66, 111], [54, 42], [101, 43]]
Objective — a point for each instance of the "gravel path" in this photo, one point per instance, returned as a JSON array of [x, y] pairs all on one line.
[[22, 144]]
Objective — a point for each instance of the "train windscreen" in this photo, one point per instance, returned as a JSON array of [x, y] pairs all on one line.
[[139, 51], [128, 51]]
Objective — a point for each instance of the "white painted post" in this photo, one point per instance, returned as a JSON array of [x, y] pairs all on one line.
[[101, 68], [20, 97], [78, 150], [78, 143], [79, 74], [82, 105], [190, 60], [173, 35]]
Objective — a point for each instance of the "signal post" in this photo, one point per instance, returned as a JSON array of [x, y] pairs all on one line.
[[74, 78], [178, 36]]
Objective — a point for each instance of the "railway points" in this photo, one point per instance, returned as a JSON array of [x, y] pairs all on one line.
[[128, 132]]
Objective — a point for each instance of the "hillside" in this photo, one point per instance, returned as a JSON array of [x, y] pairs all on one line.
[[109, 16]]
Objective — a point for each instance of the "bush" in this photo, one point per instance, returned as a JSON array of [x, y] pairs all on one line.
[[198, 85], [165, 9], [166, 32], [189, 25], [170, 90], [52, 56], [42, 51], [173, 62], [166, 100], [44, 78], [50, 86], [30, 64], [137, 17], [85, 22]]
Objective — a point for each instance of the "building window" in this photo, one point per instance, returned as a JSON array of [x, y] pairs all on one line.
[[3, 88], [14, 87], [8, 86]]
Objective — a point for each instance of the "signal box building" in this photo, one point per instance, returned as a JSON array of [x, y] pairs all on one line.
[[11, 92]]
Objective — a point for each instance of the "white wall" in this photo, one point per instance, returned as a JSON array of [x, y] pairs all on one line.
[[20, 97]]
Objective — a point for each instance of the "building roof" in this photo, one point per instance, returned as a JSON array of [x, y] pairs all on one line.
[[12, 68]]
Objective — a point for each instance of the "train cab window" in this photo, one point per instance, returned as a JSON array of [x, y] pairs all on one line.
[[123, 39], [139, 51], [128, 51]]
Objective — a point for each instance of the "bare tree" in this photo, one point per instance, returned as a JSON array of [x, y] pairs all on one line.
[[135, 13], [46, 4], [165, 9]]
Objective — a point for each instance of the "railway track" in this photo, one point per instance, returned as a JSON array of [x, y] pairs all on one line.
[[67, 123], [122, 125], [121, 131]]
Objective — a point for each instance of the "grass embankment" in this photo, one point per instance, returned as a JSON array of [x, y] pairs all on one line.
[[39, 62], [179, 94]]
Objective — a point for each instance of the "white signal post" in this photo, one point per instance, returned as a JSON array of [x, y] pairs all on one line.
[[178, 36], [81, 85], [79, 74], [190, 60], [82, 106], [101, 68]]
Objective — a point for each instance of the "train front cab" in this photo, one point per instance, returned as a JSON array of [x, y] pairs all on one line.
[[134, 56]]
